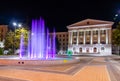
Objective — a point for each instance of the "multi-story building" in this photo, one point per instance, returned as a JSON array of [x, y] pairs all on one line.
[[62, 38], [3, 31], [90, 36]]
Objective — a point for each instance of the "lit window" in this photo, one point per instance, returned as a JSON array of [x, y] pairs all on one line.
[[74, 39], [95, 32], [74, 33], [103, 31], [81, 33], [88, 32]]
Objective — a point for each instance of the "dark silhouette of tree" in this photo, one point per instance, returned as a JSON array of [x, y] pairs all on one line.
[[116, 37]]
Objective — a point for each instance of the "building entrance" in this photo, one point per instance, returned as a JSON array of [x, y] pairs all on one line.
[[87, 50], [95, 50], [80, 50]]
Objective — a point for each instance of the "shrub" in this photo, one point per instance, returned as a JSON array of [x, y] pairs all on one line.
[[1, 51]]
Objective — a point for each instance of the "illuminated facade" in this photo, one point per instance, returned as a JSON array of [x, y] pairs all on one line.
[[90, 36]]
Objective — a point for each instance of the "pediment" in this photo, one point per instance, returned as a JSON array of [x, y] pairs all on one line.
[[88, 22]]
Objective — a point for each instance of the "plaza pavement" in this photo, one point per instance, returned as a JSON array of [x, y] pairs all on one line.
[[89, 68]]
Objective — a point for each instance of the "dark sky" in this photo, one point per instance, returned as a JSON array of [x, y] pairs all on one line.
[[57, 13]]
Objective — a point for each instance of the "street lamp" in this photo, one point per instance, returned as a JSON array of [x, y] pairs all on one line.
[[19, 25], [15, 25]]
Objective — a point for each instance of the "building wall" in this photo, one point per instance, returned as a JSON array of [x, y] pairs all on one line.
[[3, 31], [63, 40], [93, 38]]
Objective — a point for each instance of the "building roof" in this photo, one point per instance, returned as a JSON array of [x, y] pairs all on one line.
[[88, 22]]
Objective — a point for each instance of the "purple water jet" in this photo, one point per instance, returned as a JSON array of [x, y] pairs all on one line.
[[40, 44], [21, 45]]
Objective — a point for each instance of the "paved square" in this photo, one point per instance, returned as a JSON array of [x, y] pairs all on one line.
[[105, 68]]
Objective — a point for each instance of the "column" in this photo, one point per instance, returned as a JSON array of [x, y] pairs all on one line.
[[69, 35], [84, 37], [77, 37], [106, 36], [98, 36], [91, 37], [71, 38]]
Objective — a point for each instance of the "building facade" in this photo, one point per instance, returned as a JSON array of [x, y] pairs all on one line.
[[3, 31], [62, 38], [90, 36]]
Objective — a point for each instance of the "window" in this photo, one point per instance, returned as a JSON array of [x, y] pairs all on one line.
[[87, 42], [80, 49], [95, 32], [60, 35], [74, 42], [74, 33], [80, 42], [95, 49], [63, 39], [88, 23], [94, 42], [88, 32], [63, 35], [67, 39], [67, 43], [103, 31], [74, 39], [2, 30], [102, 42], [81, 33]]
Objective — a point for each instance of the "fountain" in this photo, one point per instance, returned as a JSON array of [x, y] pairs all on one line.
[[40, 49], [40, 45]]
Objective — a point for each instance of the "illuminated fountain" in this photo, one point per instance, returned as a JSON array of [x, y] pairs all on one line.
[[40, 44]]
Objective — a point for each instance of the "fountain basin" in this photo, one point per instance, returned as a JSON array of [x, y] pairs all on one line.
[[42, 62]]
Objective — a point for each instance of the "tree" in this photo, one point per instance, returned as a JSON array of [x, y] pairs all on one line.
[[18, 33], [1, 51], [9, 40], [116, 37], [13, 38]]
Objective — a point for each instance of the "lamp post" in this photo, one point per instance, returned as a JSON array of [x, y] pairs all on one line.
[[15, 26]]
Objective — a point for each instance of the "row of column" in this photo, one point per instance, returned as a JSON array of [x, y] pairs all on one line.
[[91, 37]]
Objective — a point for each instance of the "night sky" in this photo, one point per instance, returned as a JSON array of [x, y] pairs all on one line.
[[58, 13]]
